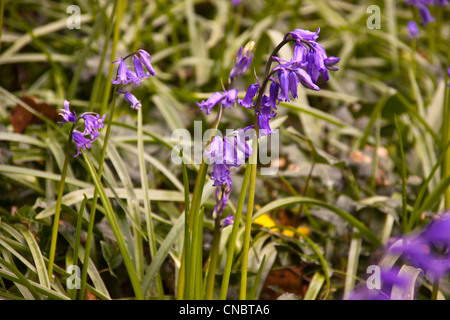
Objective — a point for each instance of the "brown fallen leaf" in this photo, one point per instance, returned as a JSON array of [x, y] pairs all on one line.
[[21, 118]]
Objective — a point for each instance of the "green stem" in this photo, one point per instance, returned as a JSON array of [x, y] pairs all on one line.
[[51, 258], [248, 221], [116, 230], [119, 11], [182, 271], [233, 235], [147, 206], [213, 261], [194, 213], [87, 246]]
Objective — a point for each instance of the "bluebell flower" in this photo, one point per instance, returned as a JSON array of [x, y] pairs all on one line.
[[214, 152], [250, 94], [425, 15], [228, 221], [81, 142], [226, 98], [145, 58], [222, 195], [389, 278], [300, 55], [206, 105], [413, 30], [221, 174], [305, 35], [92, 125], [305, 79], [139, 69], [243, 60], [283, 77], [122, 77], [133, 78], [229, 98], [273, 94], [263, 124], [423, 249], [67, 115], [132, 100]]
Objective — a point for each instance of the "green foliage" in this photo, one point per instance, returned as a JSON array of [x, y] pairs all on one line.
[[361, 161]]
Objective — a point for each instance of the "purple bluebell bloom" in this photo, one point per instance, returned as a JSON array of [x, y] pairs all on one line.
[[229, 98], [273, 94], [139, 68], [229, 152], [132, 100], [81, 142], [425, 15], [206, 105], [413, 30], [283, 76], [214, 152], [389, 278], [228, 221], [242, 62], [67, 115], [304, 35], [293, 84], [305, 79], [121, 73], [92, 125], [250, 94], [221, 174], [145, 58], [222, 195], [263, 124]]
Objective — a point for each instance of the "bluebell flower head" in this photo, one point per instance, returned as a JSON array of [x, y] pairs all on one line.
[[283, 76], [263, 124], [67, 115], [207, 105], [145, 58], [92, 125], [132, 100], [304, 35], [229, 98], [413, 30], [250, 94], [273, 94], [121, 73], [222, 195], [228, 221], [221, 174], [214, 152], [81, 142], [139, 68], [243, 60], [389, 278], [305, 79], [425, 15]]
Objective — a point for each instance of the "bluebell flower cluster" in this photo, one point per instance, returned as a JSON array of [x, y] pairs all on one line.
[[413, 30], [92, 124], [422, 6], [142, 69], [389, 277], [427, 250], [224, 153], [242, 62], [309, 62]]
